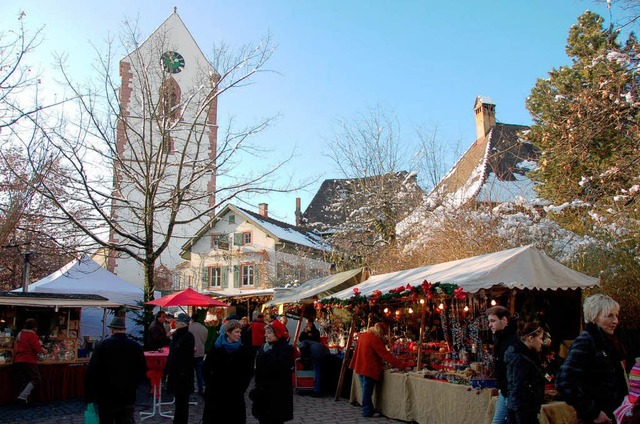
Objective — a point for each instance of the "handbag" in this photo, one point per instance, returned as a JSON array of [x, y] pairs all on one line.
[[90, 416]]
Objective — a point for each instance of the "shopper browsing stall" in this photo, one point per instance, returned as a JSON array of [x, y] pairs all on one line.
[[592, 378], [525, 380], [504, 330], [28, 348], [368, 362]]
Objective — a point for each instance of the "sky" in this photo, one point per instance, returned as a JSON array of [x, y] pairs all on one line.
[[424, 61]]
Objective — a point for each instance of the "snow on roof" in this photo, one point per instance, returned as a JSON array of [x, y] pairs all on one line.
[[495, 191], [288, 233]]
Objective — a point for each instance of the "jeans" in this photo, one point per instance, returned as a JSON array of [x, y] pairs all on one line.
[[199, 361], [501, 411], [318, 354], [367, 384]]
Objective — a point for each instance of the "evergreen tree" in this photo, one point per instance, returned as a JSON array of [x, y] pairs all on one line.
[[586, 124]]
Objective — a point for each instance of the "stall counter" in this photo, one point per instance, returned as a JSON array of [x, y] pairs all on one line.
[[411, 397]]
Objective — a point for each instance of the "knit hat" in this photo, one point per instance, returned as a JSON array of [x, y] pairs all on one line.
[[634, 382], [232, 316], [279, 329], [183, 318], [118, 323]]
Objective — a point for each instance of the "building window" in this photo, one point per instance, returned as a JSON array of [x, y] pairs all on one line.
[[232, 218], [215, 241], [215, 276], [247, 275], [246, 238]]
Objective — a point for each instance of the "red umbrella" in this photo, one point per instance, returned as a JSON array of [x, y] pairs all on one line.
[[187, 297]]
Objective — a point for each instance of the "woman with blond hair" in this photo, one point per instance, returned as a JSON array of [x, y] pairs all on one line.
[[592, 379], [368, 362]]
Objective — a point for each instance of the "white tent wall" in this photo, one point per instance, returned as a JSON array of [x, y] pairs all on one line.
[[92, 324], [85, 276]]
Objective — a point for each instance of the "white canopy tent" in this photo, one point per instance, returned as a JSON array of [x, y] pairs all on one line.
[[85, 276], [521, 268], [321, 287]]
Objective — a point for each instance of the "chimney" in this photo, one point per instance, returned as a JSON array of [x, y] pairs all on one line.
[[298, 213], [485, 116], [263, 210]]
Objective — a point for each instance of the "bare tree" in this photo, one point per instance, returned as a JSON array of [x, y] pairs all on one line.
[[142, 153], [25, 222], [377, 191], [432, 157]]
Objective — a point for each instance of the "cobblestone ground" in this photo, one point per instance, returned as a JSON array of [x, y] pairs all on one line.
[[306, 410]]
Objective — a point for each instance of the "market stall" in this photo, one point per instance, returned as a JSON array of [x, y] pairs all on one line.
[[63, 366], [437, 322], [86, 276]]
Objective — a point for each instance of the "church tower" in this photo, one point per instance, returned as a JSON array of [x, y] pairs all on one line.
[[164, 166]]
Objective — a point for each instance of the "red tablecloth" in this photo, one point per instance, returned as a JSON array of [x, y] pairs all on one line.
[[58, 382], [156, 362]]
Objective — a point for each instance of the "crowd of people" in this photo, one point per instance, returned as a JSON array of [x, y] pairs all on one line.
[[221, 359]]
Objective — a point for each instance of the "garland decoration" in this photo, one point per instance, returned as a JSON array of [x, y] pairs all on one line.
[[400, 293]]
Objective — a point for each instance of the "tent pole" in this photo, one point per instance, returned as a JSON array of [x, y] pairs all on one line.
[[298, 326], [421, 338], [104, 322], [345, 360]]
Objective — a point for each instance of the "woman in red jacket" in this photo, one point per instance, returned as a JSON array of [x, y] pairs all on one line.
[[368, 362], [28, 348]]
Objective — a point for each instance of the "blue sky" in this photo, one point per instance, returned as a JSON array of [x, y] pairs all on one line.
[[424, 60]]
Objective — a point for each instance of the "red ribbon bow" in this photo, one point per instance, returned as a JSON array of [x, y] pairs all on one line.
[[459, 294]]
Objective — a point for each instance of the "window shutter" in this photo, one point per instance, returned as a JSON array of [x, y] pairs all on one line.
[[256, 276], [237, 239], [205, 278], [236, 276], [225, 277]]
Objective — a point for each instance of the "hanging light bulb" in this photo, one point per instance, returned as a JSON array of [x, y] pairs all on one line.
[[386, 310], [493, 302], [410, 310], [441, 306], [397, 312], [466, 308], [422, 301]]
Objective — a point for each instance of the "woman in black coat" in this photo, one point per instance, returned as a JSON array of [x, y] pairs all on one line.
[[227, 372], [525, 380], [273, 394], [179, 368], [592, 378]]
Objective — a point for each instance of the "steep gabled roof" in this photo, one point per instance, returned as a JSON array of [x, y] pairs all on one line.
[[322, 215], [492, 170], [278, 230]]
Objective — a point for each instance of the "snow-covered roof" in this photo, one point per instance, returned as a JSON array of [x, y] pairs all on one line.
[[280, 231]]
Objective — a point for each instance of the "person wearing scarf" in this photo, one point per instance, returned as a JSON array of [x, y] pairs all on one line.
[[592, 378], [227, 372], [272, 395]]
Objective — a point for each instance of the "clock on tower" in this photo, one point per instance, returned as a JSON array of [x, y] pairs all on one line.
[[173, 62]]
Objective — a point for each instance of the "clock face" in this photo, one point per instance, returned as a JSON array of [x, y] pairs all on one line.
[[173, 62]]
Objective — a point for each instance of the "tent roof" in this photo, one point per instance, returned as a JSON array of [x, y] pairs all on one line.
[[54, 300], [321, 287], [522, 268], [85, 276]]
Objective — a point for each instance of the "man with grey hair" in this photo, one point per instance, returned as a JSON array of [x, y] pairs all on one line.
[[115, 370]]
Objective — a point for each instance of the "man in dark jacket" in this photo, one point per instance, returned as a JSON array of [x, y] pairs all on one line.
[[179, 368], [158, 337], [504, 330], [115, 370]]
